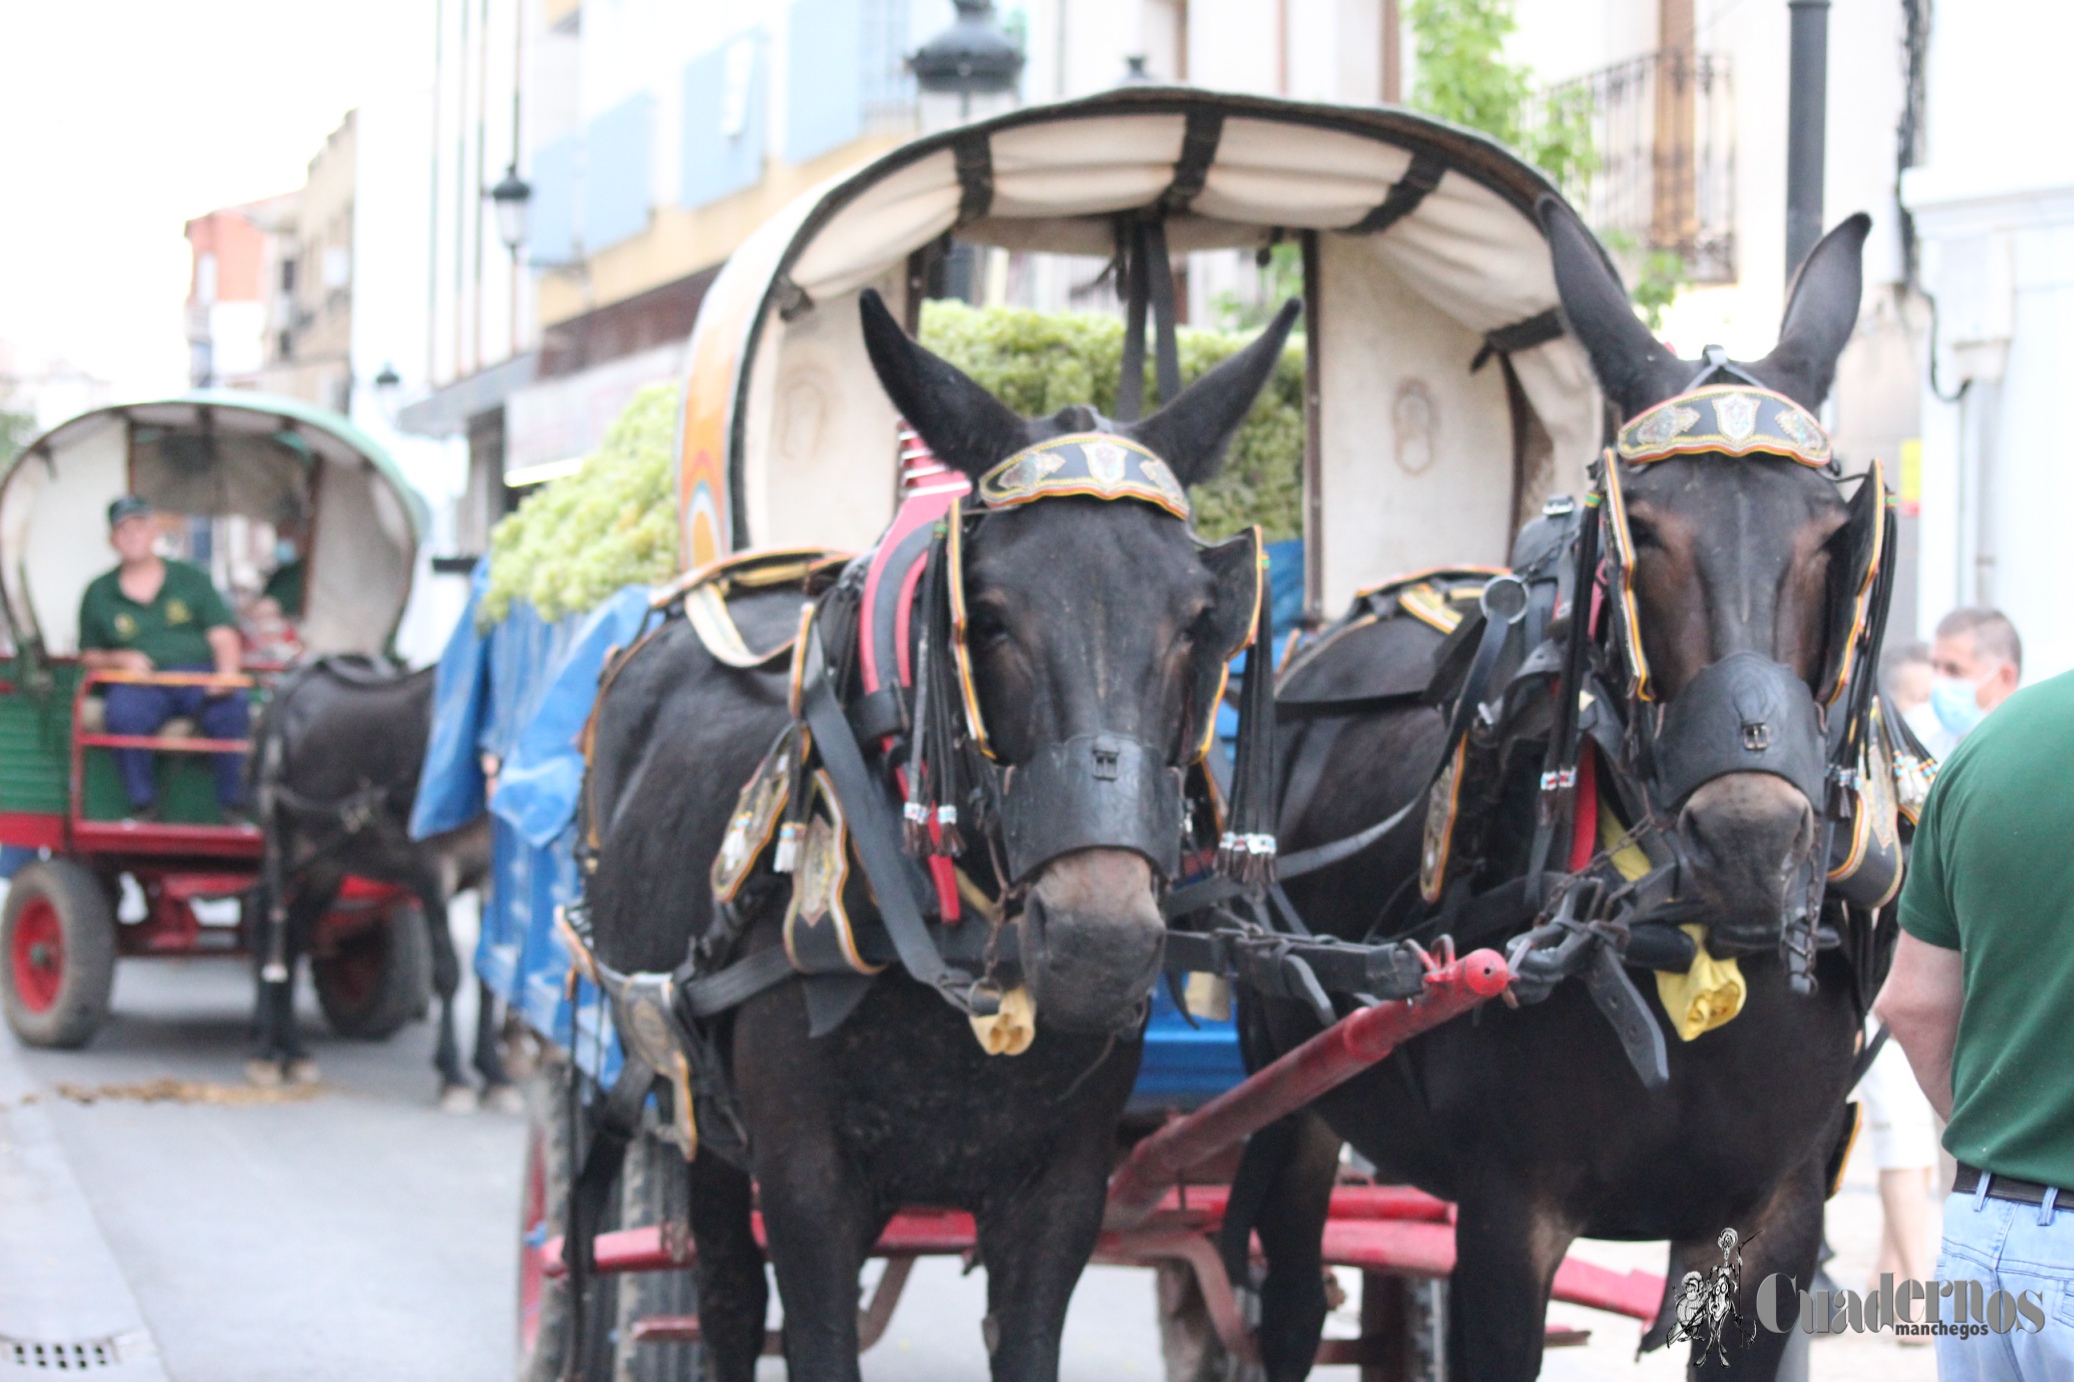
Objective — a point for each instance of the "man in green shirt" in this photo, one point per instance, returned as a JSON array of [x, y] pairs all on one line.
[[150, 614], [1981, 997]]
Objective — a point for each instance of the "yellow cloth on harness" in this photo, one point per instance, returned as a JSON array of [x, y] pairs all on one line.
[[1010, 1031], [1704, 996]]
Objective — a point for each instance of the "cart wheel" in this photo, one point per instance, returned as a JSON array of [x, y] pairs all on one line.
[[379, 979], [655, 1175], [543, 1313], [57, 945]]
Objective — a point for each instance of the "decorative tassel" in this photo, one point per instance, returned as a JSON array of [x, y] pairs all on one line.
[[1246, 852]]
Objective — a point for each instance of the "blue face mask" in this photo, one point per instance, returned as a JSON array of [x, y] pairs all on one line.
[[1956, 703], [284, 550]]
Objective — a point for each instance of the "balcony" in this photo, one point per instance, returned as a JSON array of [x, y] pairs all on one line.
[[1661, 175]]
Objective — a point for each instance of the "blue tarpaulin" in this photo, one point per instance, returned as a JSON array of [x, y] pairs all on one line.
[[519, 693], [543, 773]]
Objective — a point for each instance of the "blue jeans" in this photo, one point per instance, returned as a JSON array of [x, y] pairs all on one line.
[[145, 709], [2015, 1248]]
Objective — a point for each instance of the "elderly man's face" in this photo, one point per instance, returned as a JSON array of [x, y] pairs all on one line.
[[134, 536], [1958, 656]]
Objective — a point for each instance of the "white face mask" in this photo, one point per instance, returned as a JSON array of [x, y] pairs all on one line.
[[1956, 702]]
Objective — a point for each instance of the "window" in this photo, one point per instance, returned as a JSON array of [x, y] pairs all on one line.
[[551, 235], [823, 90], [205, 277], [287, 275], [616, 199], [724, 118]]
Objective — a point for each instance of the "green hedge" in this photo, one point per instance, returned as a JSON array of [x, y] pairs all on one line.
[[614, 522]]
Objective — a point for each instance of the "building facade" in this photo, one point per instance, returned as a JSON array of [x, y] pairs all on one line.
[[227, 296], [652, 137], [309, 288]]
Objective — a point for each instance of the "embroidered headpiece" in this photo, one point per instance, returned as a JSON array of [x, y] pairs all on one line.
[[1100, 465], [1735, 419]]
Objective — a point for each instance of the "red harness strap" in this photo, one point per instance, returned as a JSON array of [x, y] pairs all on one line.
[[927, 488]]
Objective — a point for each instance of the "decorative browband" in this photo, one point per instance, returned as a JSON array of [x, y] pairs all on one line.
[[1734, 419], [1099, 465]]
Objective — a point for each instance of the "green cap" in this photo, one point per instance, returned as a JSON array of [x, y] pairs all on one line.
[[129, 506]]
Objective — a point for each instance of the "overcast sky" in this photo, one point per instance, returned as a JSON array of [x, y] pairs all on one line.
[[121, 119]]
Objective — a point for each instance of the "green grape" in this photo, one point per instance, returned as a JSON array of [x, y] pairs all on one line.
[[613, 523]]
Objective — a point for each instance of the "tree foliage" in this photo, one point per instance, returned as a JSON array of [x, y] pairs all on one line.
[[1464, 77]]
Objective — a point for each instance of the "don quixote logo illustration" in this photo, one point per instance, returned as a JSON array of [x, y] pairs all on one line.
[[1706, 1311]]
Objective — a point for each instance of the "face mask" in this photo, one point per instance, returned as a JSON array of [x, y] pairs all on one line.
[[1957, 704], [284, 550]]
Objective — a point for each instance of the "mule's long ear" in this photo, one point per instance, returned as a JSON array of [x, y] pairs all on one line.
[[966, 427], [1821, 313], [1190, 433], [1634, 368]]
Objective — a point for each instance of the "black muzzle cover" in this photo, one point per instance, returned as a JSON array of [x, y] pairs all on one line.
[[1743, 714], [1094, 791]]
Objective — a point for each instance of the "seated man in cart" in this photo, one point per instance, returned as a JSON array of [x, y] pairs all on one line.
[[150, 614]]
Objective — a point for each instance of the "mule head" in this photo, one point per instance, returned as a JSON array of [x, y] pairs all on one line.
[[1097, 631], [1739, 566]]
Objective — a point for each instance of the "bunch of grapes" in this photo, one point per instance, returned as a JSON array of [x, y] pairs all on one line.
[[1039, 362], [612, 524]]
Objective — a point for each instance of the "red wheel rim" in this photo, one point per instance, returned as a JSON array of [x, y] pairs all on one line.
[[533, 1243], [354, 974], [38, 955]]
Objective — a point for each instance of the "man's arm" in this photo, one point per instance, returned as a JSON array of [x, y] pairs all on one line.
[[228, 649], [1920, 1002], [114, 659]]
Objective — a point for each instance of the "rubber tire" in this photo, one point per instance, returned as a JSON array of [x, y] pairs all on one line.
[[380, 979], [86, 929], [543, 1342], [644, 1294]]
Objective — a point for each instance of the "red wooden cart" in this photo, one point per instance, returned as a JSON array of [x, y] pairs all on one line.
[[1393, 1235], [218, 466]]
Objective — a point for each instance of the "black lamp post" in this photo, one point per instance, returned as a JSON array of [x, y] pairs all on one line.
[[509, 199], [973, 57]]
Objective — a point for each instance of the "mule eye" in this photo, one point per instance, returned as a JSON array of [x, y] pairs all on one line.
[[985, 628], [1643, 532]]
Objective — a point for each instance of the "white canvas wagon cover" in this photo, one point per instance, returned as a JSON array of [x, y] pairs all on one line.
[[1448, 402], [212, 453]]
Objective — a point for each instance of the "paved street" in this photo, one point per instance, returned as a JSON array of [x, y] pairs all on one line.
[[360, 1232]]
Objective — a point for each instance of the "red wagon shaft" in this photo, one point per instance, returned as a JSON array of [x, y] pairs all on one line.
[[1326, 1061]]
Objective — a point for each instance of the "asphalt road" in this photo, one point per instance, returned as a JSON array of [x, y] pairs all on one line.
[[362, 1233]]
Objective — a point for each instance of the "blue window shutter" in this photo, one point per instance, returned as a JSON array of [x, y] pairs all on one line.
[[824, 97], [618, 147], [726, 105], [551, 217]]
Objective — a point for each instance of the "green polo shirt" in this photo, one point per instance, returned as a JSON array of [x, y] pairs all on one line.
[[171, 630], [1992, 876], [284, 587]]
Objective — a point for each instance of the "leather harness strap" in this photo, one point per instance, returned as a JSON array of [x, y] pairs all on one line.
[[874, 833], [1424, 174]]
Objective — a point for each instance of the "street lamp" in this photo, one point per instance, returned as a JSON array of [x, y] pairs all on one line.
[[388, 387], [509, 198], [973, 57]]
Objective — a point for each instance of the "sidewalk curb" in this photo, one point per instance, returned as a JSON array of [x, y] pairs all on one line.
[[64, 1303]]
